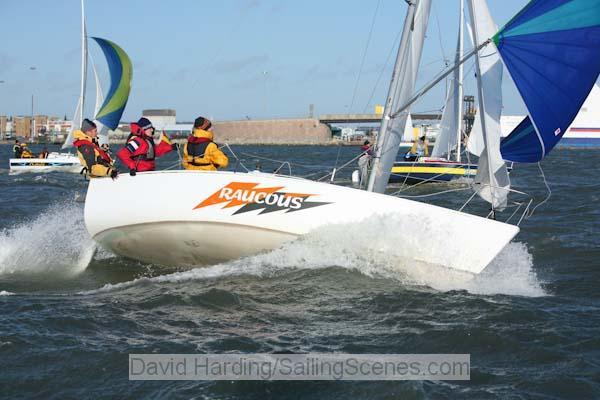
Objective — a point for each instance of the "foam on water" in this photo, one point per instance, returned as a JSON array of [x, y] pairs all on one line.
[[56, 241], [352, 247], [5, 293]]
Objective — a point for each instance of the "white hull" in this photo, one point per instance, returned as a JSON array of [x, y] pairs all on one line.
[[199, 218], [55, 162]]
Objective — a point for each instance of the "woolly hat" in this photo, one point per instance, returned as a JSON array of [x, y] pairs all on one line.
[[87, 125], [144, 123], [202, 123]]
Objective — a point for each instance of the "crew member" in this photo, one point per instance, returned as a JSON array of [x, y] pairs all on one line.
[[96, 162], [419, 148], [17, 149], [43, 153], [25, 152], [364, 160], [200, 152], [140, 151]]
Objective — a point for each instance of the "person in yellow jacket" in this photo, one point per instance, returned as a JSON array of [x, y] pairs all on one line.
[[97, 161], [200, 152], [25, 152]]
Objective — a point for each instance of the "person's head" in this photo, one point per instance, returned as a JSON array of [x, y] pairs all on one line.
[[366, 143], [23, 144], [422, 138], [89, 128], [146, 126], [16, 141], [202, 123]]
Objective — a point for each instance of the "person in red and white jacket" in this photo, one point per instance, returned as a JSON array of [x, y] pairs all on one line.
[[140, 150]]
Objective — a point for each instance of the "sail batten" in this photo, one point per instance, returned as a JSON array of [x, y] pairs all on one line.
[[551, 51]]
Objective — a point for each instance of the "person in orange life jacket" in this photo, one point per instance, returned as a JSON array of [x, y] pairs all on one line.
[[200, 152], [140, 151], [96, 161]]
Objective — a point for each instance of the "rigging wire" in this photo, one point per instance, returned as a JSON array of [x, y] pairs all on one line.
[[362, 62], [385, 64]]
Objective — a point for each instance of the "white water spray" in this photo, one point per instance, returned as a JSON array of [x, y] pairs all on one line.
[[54, 242]]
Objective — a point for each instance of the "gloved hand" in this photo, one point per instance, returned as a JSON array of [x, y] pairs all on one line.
[[175, 146], [132, 172], [114, 174]]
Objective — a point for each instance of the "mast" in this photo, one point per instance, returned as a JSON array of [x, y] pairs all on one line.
[[410, 13], [481, 101], [401, 87], [459, 95], [83, 59], [79, 110]]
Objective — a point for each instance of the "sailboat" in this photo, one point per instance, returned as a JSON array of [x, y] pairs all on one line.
[[203, 217], [107, 110], [445, 163]]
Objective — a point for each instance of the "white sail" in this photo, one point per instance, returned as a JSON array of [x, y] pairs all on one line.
[[492, 182], [401, 89], [102, 129], [78, 116], [409, 134], [450, 126]]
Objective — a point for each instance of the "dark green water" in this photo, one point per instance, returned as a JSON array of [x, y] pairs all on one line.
[[69, 317]]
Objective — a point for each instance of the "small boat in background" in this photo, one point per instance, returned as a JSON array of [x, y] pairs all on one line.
[[55, 162]]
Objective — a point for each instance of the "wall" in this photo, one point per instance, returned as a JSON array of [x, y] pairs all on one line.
[[283, 131]]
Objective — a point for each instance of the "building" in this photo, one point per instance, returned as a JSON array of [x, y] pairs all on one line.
[[161, 118], [22, 126], [4, 133]]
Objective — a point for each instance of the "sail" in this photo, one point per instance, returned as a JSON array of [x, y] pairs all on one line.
[[551, 52], [450, 126], [102, 129], [78, 116], [99, 93], [401, 88], [409, 131], [492, 180], [121, 72]]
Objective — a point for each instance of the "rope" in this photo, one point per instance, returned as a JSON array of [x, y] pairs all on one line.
[[547, 188]]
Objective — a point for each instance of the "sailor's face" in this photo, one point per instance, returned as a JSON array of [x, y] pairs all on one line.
[[93, 132]]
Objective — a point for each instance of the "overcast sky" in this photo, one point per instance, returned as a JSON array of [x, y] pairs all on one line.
[[227, 59]]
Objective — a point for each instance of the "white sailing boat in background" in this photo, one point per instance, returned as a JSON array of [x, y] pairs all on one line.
[[203, 217], [107, 111]]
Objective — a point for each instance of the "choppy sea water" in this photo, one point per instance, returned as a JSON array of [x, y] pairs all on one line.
[[71, 313]]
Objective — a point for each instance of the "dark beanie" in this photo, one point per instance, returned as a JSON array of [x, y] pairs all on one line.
[[202, 123], [144, 123], [87, 125]]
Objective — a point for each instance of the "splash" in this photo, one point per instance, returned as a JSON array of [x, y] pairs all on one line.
[[5, 293], [54, 242], [352, 247]]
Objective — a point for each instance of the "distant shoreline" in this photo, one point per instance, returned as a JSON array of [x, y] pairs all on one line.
[[237, 143]]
